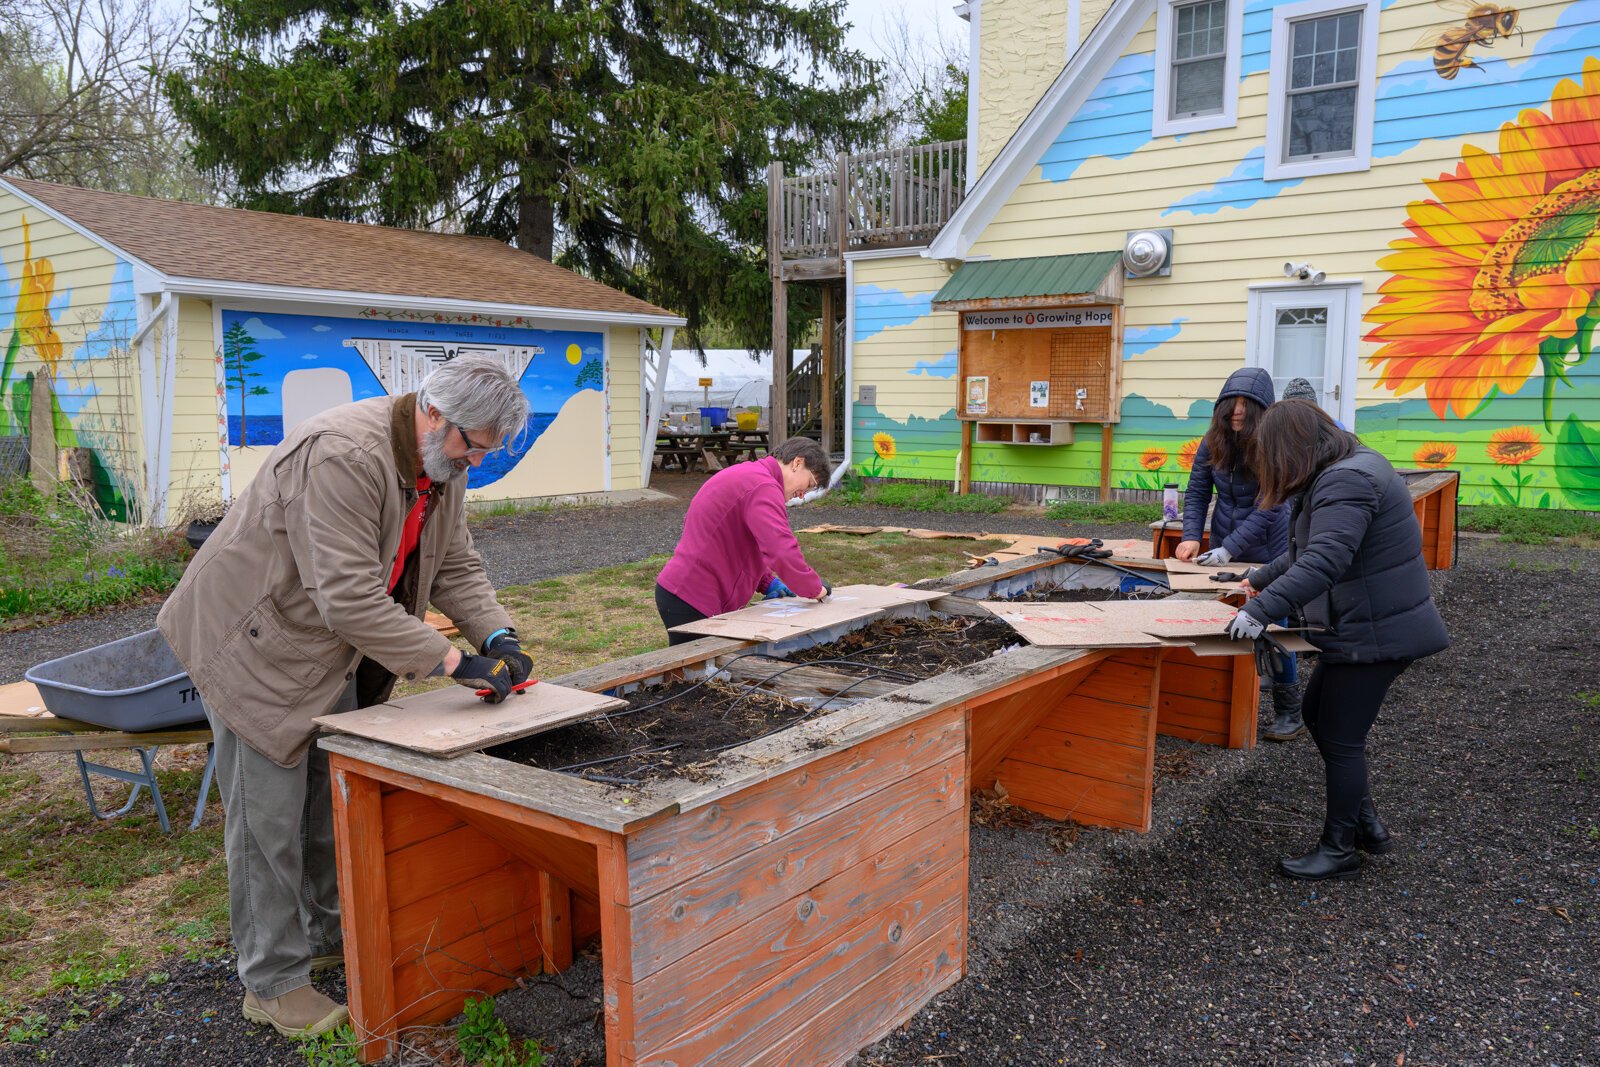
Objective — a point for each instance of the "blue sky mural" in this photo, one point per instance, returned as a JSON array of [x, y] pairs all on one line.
[[1114, 121], [1137, 340], [943, 367], [878, 308], [559, 364]]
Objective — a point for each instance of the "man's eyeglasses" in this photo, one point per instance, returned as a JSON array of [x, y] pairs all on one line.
[[474, 451]]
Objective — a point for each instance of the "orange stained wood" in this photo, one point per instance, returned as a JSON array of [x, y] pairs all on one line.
[[357, 802], [792, 935], [1064, 769], [555, 922], [571, 861], [1001, 719], [669, 853], [714, 906], [924, 933], [1209, 699]]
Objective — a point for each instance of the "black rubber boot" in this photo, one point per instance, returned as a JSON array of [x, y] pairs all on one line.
[[1372, 837], [1286, 723], [1334, 857]]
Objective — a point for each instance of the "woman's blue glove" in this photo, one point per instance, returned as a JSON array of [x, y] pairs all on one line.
[[1215, 558], [775, 589]]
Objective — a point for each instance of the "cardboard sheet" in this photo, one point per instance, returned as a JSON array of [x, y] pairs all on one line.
[[1194, 578], [22, 699], [774, 620], [1194, 624], [1221, 645], [1069, 625], [448, 722]]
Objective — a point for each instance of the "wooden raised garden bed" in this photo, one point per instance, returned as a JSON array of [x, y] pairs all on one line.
[[790, 902]]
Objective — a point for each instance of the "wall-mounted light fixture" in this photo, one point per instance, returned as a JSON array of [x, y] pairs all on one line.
[[1147, 254], [1304, 272]]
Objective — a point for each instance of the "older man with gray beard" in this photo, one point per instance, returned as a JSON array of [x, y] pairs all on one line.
[[309, 599]]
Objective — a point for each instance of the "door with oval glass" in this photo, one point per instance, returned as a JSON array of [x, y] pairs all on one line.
[[1304, 331]]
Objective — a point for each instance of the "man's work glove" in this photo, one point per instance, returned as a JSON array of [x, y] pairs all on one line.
[[1245, 627], [1215, 558], [776, 589], [485, 672], [506, 647]]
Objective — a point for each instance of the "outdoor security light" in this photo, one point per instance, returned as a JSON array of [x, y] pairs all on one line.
[[1304, 272]]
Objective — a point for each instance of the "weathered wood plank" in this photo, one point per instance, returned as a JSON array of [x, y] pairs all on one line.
[[1198, 734], [664, 855], [555, 922], [457, 912], [409, 818], [1061, 794], [605, 676], [756, 1019], [367, 946], [452, 859], [1198, 680], [696, 986], [1124, 723], [85, 741], [1093, 757], [433, 988], [1244, 702], [571, 860], [997, 725], [674, 924]]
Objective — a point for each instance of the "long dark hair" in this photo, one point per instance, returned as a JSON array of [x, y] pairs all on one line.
[[1230, 450], [1294, 441]]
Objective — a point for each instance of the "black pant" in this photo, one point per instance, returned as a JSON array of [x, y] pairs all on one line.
[[1341, 704], [675, 611]]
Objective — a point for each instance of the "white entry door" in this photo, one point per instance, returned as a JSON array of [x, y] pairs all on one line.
[[1305, 331]]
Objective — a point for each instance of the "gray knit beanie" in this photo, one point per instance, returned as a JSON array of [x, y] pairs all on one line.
[[1299, 389]]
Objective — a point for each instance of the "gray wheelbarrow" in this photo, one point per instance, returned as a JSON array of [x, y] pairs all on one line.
[[135, 685]]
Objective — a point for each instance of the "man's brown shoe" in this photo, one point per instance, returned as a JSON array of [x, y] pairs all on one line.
[[301, 1012]]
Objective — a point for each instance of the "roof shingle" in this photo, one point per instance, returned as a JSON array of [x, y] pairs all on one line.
[[256, 247]]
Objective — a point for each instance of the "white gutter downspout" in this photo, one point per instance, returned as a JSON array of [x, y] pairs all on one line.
[[658, 397], [150, 411]]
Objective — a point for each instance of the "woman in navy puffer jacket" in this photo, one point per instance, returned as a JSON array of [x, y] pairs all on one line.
[[1354, 574], [1239, 529]]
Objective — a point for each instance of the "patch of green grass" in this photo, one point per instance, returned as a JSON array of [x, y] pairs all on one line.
[[31, 1027], [921, 496], [338, 1047], [1114, 511], [1530, 526], [90, 972], [499, 509], [14, 923], [59, 557]]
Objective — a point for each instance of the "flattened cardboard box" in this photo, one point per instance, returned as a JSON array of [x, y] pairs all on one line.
[[774, 620], [1196, 578], [448, 722]]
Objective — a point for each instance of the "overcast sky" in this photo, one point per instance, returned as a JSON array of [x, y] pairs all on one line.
[[872, 21]]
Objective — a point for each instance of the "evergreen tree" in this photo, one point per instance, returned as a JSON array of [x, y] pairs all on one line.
[[238, 354], [630, 136]]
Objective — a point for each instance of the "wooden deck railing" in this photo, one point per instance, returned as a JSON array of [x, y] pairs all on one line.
[[887, 199]]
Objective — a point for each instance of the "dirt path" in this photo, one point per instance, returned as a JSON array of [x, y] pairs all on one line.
[[1475, 942]]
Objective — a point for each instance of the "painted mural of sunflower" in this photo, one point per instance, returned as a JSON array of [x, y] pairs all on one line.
[[1434, 454], [1186, 453], [34, 323], [883, 445], [1514, 445], [1153, 459], [1502, 269]]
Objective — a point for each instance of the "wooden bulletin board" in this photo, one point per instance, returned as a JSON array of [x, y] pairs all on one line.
[[1013, 360]]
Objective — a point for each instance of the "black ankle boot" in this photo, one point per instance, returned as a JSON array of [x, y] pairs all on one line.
[[1334, 857], [1372, 837], [1286, 723]]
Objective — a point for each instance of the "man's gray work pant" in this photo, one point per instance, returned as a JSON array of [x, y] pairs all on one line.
[[283, 890]]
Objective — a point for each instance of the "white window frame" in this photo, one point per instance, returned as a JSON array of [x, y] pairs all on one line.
[[1278, 81], [1256, 339], [1161, 124]]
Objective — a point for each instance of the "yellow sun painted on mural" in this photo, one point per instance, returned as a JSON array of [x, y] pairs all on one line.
[[883, 445], [1502, 266], [1153, 459], [33, 305], [574, 353]]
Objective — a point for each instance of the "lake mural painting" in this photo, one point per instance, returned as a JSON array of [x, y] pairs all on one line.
[[280, 369]]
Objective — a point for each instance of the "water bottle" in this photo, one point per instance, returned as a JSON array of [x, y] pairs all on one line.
[[1169, 502]]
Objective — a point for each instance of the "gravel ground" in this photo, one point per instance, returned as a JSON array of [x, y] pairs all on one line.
[[1473, 943], [535, 545]]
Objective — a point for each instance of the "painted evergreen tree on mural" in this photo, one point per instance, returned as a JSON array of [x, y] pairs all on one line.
[[239, 354]]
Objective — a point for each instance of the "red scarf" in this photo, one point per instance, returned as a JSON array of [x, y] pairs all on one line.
[[411, 532]]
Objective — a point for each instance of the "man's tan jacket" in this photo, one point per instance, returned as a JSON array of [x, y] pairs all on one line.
[[276, 610]]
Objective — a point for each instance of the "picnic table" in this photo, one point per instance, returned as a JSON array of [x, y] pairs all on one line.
[[716, 449]]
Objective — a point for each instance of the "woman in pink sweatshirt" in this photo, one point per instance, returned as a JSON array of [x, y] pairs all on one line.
[[737, 541]]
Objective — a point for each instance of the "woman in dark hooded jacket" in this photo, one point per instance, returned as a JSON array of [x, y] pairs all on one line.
[[1239, 529], [1354, 574]]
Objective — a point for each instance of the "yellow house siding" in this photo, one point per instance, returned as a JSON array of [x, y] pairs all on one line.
[[622, 349], [196, 459], [73, 301], [1106, 175], [1022, 47]]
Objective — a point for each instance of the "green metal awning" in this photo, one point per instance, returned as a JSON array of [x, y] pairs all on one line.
[[1027, 279]]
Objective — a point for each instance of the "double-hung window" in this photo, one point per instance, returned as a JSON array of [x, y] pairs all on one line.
[[1197, 65], [1320, 108]]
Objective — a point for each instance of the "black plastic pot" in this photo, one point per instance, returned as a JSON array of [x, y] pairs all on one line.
[[197, 533]]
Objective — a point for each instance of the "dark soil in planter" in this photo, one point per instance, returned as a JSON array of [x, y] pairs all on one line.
[[681, 728]]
